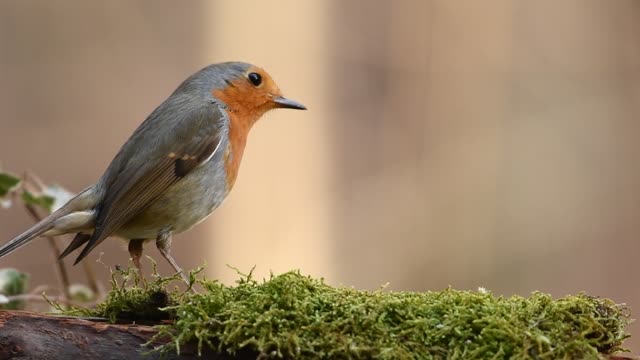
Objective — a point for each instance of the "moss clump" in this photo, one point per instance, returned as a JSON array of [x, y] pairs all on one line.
[[133, 299], [295, 316]]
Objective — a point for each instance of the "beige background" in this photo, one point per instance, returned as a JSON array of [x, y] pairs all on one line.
[[447, 143]]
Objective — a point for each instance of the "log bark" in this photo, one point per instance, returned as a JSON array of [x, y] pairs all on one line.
[[28, 335]]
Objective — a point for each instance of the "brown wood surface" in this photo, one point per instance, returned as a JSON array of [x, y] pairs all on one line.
[[28, 335]]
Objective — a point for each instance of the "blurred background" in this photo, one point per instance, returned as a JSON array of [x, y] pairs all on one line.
[[456, 143]]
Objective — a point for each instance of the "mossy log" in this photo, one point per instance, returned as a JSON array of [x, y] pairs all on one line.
[[29, 335], [291, 316]]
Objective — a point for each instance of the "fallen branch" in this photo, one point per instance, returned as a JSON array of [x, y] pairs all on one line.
[[28, 335]]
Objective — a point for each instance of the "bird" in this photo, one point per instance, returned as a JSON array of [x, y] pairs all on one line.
[[176, 168]]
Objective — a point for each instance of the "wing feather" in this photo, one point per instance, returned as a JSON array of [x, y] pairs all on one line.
[[193, 141]]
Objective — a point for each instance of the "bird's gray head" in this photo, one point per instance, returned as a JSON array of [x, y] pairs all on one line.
[[243, 88]]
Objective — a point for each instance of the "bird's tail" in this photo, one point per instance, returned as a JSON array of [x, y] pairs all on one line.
[[57, 222]]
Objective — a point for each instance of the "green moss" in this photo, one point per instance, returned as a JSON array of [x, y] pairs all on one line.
[[295, 316]]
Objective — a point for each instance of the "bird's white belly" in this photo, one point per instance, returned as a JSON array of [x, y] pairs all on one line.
[[184, 205]]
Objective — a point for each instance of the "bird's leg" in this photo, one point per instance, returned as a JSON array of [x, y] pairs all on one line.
[[135, 250], [163, 242]]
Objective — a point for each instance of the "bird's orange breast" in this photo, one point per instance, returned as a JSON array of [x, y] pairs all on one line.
[[243, 109], [238, 132]]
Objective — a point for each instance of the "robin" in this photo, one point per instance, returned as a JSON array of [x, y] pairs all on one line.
[[177, 167]]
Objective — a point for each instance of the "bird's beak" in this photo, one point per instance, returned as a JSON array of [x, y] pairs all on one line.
[[284, 103]]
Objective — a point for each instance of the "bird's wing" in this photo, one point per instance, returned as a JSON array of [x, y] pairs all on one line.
[[163, 158]]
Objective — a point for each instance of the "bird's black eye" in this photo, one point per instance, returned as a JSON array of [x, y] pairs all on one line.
[[255, 79]]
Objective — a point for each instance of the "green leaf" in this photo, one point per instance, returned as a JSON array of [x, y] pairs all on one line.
[[7, 183], [12, 282], [41, 200]]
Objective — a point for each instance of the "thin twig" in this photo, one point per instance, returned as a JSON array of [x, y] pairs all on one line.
[[30, 177], [63, 276], [34, 297]]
